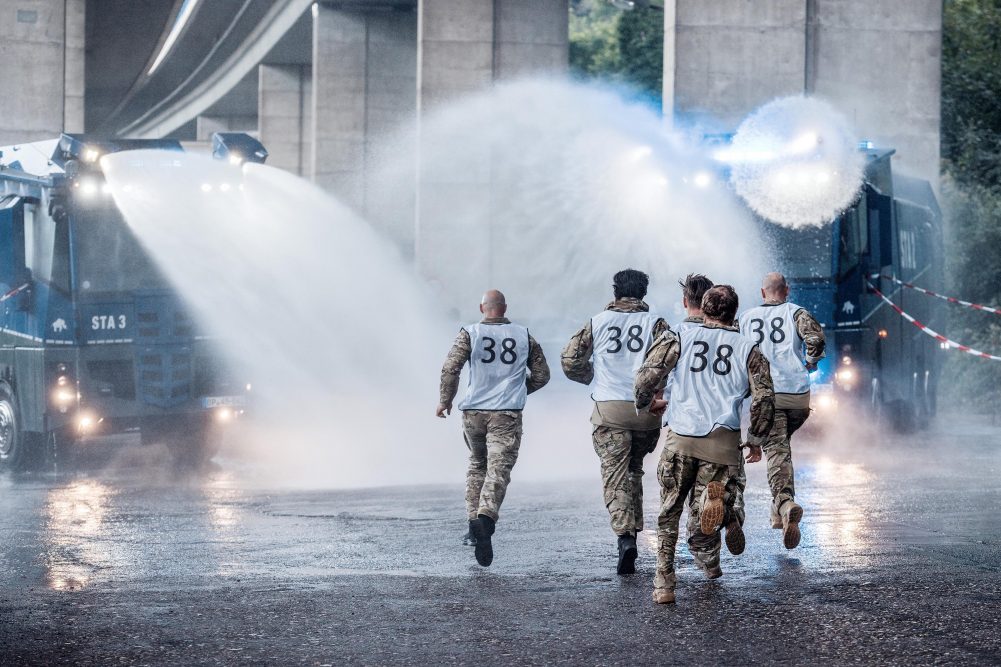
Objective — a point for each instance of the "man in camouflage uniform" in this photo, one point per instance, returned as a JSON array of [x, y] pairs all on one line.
[[607, 351], [715, 368], [705, 549], [793, 342], [506, 364]]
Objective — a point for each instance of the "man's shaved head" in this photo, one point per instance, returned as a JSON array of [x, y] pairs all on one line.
[[774, 287], [493, 303]]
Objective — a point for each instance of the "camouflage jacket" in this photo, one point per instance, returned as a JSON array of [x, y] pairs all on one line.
[[663, 357], [576, 357], [812, 334], [462, 348]]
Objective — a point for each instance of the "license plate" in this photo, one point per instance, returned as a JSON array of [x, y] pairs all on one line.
[[223, 401]]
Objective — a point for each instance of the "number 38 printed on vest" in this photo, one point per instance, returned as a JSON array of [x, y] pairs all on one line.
[[634, 339], [776, 332], [508, 354], [721, 363]]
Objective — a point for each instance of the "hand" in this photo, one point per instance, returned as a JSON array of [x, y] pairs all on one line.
[[658, 406], [811, 366], [753, 454], [443, 410]]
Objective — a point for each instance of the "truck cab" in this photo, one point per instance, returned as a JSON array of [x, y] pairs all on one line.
[[93, 338]]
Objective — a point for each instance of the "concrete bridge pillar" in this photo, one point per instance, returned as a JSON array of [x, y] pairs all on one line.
[[284, 116], [43, 72], [465, 46], [363, 79]]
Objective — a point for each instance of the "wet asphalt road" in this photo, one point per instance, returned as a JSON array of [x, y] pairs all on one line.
[[899, 564]]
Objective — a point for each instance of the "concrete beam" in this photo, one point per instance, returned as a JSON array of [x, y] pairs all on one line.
[[206, 126]]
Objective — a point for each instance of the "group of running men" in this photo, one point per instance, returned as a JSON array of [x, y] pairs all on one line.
[[695, 378]]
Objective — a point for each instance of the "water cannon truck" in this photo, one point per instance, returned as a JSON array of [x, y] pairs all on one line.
[[94, 341]]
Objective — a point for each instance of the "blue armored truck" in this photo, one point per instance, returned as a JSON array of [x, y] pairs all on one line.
[[875, 358], [93, 340]]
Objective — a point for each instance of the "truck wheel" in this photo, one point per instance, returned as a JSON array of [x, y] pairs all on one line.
[[191, 444], [903, 416], [15, 452]]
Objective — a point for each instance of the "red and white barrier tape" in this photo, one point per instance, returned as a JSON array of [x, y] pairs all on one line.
[[950, 299], [931, 332], [14, 292]]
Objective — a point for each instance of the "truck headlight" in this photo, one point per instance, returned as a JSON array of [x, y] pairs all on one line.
[[845, 376]]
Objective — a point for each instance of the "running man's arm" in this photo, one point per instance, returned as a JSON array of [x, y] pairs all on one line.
[[576, 356], [538, 368], [812, 334], [762, 398], [457, 357], [659, 327], [652, 375]]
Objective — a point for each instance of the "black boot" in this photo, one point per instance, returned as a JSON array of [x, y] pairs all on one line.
[[627, 554], [482, 529]]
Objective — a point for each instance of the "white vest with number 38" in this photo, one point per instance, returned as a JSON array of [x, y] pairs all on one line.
[[710, 381], [773, 328], [498, 367], [621, 341]]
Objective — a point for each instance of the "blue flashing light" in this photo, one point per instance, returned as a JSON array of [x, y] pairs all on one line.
[[866, 145]]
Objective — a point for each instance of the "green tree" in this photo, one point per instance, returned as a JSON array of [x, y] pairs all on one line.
[[616, 46], [971, 190], [971, 83]]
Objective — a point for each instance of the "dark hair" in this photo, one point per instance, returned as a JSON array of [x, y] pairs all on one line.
[[630, 283], [720, 303], [694, 286]]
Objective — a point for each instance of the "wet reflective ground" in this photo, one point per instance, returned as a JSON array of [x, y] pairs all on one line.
[[127, 564]]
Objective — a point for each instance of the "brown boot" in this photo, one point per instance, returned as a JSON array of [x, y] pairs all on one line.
[[791, 516], [735, 538], [711, 517], [663, 595]]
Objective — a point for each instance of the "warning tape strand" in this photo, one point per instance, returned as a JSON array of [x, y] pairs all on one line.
[[950, 299], [931, 332]]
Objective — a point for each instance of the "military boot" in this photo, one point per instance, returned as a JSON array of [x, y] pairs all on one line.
[[663, 595], [711, 516], [791, 515], [482, 529], [627, 554], [469, 540], [735, 542]]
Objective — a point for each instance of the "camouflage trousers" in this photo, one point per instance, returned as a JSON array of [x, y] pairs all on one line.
[[680, 476], [706, 548], [621, 452], [778, 457], [493, 438]]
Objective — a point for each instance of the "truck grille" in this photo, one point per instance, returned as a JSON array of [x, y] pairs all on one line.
[[163, 340], [113, 376]]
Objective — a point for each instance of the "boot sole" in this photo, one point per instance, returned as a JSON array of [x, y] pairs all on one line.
[[712, 513], [484, 550], [735, 542], [627, 561], [790, 533]]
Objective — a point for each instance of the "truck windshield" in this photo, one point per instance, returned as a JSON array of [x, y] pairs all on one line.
[[108, 256], [800, 253]]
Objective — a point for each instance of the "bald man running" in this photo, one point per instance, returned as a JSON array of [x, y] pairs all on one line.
[[793, 342], [505, 365]]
